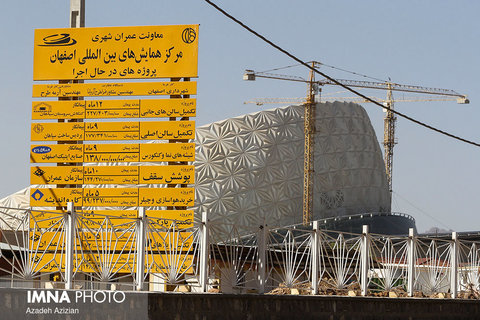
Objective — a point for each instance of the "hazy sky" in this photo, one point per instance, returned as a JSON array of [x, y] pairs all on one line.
[[427, 43]]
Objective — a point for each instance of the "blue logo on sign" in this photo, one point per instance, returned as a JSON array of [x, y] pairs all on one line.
[[37, 195], [41, 149]]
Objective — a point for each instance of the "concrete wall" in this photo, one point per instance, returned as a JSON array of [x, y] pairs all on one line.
[[13, 305]]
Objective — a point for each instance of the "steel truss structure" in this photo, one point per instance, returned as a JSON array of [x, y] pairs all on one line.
[[76, 250]]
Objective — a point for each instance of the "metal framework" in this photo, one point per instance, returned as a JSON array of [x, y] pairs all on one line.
[[308, 161], [76, 250]]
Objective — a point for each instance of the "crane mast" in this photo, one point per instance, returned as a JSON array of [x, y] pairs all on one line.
[[389, 137], [308, 166]]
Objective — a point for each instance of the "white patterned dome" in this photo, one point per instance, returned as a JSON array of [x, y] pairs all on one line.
[[250, 168]]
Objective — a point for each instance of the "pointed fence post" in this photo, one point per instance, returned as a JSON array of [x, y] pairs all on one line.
[[69, 244], [315, 254], [364, 260], [140, 246], [262, 257], [454, 266], [411, 261], [204, 253]]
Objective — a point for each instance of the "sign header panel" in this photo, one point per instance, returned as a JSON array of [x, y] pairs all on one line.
[[53, 197], [116, 53], [153, 108], [111, 152], [55, 153], [56, 175], [134, 152], [113, 109], [165, 152], [166, 174], [62, 131], [58, 110], [113, 89]]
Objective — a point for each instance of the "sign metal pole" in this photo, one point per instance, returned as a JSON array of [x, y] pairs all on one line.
[[364, 256], [69, 243]]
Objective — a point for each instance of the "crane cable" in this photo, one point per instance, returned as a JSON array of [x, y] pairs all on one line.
[[335, 81]]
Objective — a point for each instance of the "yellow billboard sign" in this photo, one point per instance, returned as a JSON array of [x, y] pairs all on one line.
[[134, 152], [166, 174], [95, 219], [55, 153], [164, 263], [121, 263], [58, 110], [153, 108], [52, 197], [102, 240], [114, 89], [103, 109], [84, 131], [112, 197], [48, 240], [46, 219], [63, 175], [111, 152], [164, 218], [167, 130], [116, 52], [63, 131], [112, 130], [56, 175], [110, 175], [109, 109], [166, 197], [163, 152], [169, 242]]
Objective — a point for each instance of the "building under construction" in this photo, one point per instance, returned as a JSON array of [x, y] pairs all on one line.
[[249, 171]]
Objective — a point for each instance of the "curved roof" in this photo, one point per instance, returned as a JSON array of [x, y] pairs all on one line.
[[250, 168]]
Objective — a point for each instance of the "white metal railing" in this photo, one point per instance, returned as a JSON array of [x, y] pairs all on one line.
[[42, 249]]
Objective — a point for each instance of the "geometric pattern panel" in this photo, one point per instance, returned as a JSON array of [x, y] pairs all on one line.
[[249, 169]]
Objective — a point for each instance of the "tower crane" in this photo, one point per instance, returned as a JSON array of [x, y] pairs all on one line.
[[390, 119]]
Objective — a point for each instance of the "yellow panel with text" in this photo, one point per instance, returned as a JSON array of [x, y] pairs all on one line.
[[63, 131], [164, 218], [56, 175], [102, 109], [166, 197], [114, 89], [165, 152], [167, 174], [167, 130], [96, 219], [46, 241], [111, 152], [112, 130], [55, 153], [52, 197], [154, 108], [121, 263], [116, 52], [58, 110], [110, 174], [46, 219], [110, 197]]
